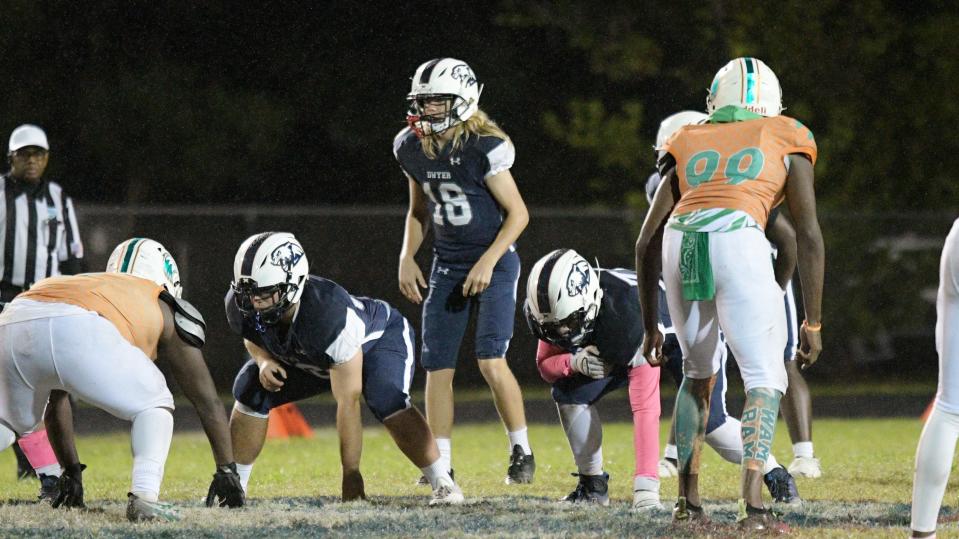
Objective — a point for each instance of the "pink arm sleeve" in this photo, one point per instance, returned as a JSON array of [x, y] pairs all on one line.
[[552, 362]]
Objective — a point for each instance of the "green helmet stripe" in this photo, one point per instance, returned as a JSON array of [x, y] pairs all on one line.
[[125, 266], [750, 81]]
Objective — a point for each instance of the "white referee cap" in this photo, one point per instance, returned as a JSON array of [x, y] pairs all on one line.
[[28, 135]]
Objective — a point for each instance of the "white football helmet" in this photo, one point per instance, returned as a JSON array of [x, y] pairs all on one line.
[[266, 264], [747, 83], [672, 124], [447, 79], [562, 298], [146, 258]]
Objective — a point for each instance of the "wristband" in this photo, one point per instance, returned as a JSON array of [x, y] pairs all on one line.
[[812, 327]]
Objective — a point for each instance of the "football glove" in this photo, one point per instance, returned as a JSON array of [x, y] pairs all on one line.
[[226, 490], [71, 487], [588, 363]]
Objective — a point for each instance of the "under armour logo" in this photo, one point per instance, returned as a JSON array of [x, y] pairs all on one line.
[[454, 160], [443, 271]]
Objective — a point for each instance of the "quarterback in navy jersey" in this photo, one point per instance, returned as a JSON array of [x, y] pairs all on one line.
[[457, 162], [307, 335]]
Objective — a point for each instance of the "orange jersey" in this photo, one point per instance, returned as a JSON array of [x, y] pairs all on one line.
[[129, 302], [737, 165]]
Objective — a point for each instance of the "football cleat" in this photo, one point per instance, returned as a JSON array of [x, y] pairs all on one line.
[[140, 510], [782, 486], [49, 487], [424, 482], [646, 501], [521, 467], [685, 512], [447, 494], [806, 467], [763, 521], [591, 489], [667, 467]]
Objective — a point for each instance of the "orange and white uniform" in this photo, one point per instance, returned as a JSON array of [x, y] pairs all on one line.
[[93, 335], [731, 175]]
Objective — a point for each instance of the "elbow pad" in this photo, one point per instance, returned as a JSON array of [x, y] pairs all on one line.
[[187, 320]]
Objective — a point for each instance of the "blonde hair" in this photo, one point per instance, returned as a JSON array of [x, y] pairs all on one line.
[[478, 124]]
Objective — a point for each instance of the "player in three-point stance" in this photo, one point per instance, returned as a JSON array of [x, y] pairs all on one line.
[[937, 444], [96, 336], [457, 162], [590, 330], [307, 335], [704, 234]]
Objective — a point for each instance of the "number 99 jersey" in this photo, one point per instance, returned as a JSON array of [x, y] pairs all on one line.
[[733, 167], [465, 215]]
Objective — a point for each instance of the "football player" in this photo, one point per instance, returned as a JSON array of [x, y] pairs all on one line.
[[723, 431], [937, 444], [590, 330], [308, 335], [457, 164], [720, 181], [96, 336]]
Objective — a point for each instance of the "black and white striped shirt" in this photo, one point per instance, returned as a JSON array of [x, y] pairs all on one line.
[[38, 234]]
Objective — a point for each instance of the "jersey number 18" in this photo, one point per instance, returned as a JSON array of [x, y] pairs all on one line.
[[454, 204]]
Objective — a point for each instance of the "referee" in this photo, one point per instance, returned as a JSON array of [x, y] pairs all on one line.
[[38, 238]]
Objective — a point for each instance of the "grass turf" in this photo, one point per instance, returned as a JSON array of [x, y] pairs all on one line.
[[865, 489]]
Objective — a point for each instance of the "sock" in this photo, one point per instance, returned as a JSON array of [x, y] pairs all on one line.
[[445, 445], [771, 464], [692, 413], [646, 483], [727, 440], [584, 431], [151, 435], [937, 446], [802, 449], [759, 426], [520, 437], [36, 447], [644, 403], [50, 469], [437, 474], [670, 452], [244, 471]]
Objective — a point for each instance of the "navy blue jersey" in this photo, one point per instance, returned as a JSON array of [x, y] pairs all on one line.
[[329, 327], [466, 217], [618, 330]]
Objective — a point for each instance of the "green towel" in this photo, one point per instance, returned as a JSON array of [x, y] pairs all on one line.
[[694, 266]]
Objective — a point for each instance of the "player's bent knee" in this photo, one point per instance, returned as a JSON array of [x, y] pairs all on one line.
[[386, 404], [241, 408]]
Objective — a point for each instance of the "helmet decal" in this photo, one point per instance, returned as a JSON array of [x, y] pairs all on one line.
[[286, 256], [577, 282], [464, 74]]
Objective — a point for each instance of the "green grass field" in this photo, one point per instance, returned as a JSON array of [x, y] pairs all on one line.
[[865, 490]]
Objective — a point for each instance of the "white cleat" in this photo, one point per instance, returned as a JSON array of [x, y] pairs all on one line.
[[647, 501], [805, 467], [447, 494], [667, 468], [140, 510]]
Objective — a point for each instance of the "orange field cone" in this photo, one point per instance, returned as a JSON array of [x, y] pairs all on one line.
[[925, 415], [286, 421]]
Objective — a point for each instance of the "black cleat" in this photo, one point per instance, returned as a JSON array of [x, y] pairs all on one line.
[[782, 486], [760, 521], [590, 489], [521, 467], [49, 488]]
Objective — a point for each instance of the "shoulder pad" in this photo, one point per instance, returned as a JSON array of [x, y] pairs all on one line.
[[187, 320]]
